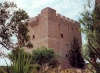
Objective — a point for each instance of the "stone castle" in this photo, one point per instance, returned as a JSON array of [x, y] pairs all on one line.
[[97, 2], [52, 30]]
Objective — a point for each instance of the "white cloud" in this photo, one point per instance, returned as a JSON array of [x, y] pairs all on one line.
[[68, 8]]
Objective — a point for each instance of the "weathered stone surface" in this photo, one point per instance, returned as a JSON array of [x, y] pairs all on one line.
[[97, 2], [54, 31]]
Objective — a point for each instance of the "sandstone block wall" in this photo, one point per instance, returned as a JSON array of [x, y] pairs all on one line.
[[54, 31], [98, 2]]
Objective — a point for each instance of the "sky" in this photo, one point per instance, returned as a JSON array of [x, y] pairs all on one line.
[[68, 8]]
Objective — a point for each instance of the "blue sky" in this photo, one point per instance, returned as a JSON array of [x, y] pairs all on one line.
[[68, 8]]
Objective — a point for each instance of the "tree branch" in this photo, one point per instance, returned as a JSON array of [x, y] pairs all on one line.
[[4, 45]]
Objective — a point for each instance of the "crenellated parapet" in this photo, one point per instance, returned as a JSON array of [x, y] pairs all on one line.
[[49, 13]]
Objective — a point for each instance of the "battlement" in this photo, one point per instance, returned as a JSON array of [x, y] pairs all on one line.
[[51, 13], [48, 9], [33, 21]]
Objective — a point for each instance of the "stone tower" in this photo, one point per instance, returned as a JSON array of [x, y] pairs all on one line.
[[97, 2], [54, 31]]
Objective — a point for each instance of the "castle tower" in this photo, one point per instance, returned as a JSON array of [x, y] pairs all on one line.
[[54, 31], [97, 2]]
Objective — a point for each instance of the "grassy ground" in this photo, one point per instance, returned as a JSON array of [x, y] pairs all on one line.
[[57, 71]]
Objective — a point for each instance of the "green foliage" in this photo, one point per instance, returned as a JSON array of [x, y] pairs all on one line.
[[97, 54], [15, 53], [96, 15], [93, 35], [45, 56], [6, 31], [13, 22], [20, 17], [41, 58], [85, 50], [29, 45], [90, 21], [5, 68], [87, 21], [75, 58], [21, 65]]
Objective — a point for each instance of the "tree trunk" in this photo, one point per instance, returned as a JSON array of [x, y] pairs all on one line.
[[93, 60]]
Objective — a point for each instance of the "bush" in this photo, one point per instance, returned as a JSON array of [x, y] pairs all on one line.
[[45, 56], [21, 64]]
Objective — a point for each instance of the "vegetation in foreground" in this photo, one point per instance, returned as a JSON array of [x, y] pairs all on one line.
[[23, 63], [20, 65], [91, 28], [75, 57]]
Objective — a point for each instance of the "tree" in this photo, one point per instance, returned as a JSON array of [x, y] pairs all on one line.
[[13, 22], [45, 56], [87, 22], [15, 53], [6, 30], [93, 34], [20, 18], [85, 50], [75, 58], [91, 27], [96, 65], [96, 25], [88, 28], [21, 64]]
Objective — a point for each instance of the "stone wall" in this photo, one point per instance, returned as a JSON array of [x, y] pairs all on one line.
[[97, 2], [54, 31]]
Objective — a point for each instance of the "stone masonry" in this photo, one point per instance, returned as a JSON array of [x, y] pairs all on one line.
[[98, 2], [52, 30]]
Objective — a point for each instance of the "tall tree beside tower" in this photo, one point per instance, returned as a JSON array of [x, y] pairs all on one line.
[[75, 57], [13, 22], [91, 23], [7, 28]]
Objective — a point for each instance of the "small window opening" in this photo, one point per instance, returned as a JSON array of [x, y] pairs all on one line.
[[59, 24], [72, 28], [99, 30], [66, 55], [62, 35], [33, 36], [66, 44]]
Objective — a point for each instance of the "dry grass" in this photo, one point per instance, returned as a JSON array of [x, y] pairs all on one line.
[[68, 71]]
